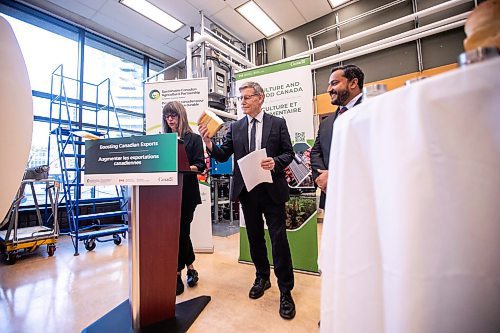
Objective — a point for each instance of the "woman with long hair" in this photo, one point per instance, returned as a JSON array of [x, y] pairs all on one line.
[[174, 120]]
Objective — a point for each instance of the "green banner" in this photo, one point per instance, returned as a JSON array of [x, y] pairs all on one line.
[[288, 90], [273, 68], [135, 160], [303, 246]]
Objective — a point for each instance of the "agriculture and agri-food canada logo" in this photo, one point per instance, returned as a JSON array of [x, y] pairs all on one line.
[[154, 94]]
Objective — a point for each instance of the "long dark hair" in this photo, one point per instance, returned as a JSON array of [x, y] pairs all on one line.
[[178, 109]]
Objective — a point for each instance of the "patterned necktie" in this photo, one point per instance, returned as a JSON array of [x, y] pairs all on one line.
[[342, 110], [252, 135]]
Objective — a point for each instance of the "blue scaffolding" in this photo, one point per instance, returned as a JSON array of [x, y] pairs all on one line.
[[69, 131]]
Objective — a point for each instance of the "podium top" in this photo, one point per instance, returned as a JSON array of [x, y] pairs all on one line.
[[136, 160]]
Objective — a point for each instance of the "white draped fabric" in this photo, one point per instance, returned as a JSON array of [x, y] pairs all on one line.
[[16, 116], [411, 236]]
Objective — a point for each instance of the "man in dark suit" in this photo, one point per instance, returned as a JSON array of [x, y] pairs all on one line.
[[255, 131], [344, 86]]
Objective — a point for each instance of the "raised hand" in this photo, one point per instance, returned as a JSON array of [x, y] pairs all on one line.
[[204, 136]]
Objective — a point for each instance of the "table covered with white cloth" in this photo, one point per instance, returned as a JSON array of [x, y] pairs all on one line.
[[411, 235]]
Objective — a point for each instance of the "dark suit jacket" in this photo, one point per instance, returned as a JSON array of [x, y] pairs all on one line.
[[320, 152], [276, 141], [194, 151]]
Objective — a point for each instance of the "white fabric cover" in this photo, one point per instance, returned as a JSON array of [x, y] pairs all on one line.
[[411, 236], [16, 116]]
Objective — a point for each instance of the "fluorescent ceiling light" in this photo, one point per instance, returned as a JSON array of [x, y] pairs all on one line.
[[153, 13], [258, 18], [336, 3]]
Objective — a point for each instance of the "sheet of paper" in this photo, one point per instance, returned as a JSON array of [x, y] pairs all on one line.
[[252, 172]]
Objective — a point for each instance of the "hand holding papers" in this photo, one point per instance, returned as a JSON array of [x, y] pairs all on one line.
[[252, 172], [211, 121]]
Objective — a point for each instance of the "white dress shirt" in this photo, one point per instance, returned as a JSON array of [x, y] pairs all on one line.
[[258, 130], [353, 101]]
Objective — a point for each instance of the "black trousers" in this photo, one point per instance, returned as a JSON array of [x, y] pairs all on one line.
[[186, 254], [255, 204]]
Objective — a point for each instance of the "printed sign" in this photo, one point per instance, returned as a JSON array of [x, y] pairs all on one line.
[[193, 94], [136, 160], [288, 94]]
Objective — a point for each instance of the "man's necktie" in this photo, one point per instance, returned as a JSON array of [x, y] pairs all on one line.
[[253, 130], [342, 110]]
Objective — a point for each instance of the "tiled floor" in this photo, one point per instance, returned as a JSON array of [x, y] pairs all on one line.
[[65, 293]]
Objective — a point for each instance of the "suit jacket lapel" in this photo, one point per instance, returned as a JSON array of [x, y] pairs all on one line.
[[337, 112], [266, 129], [329, 128], [358, 101], [186, 139], [244, 131]]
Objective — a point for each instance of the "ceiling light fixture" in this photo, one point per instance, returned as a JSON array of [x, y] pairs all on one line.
[[258, 18], [153, 13], [336, 3]]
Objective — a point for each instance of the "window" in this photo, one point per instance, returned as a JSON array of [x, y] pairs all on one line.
[[124, 70], [44, 50], [154, 68], [49, 44]]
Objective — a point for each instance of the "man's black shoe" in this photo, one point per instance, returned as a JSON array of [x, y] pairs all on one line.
[[287, 306], [258, 288], [180, 286]]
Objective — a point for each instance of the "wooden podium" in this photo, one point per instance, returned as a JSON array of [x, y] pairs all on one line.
[[154, 218]]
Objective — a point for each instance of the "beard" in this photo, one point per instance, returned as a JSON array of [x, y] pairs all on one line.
[[342, 97]]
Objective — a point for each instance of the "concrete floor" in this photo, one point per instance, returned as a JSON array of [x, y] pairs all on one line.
[[65, 293]]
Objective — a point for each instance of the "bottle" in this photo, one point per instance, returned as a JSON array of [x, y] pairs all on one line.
[[414, 80], [374, 90], [477, 55]]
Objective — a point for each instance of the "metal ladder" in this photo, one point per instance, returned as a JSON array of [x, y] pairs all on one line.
[[69, 135]]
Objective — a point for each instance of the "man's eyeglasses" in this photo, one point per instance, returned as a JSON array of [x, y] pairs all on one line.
[[171, 115], [246, 98]]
